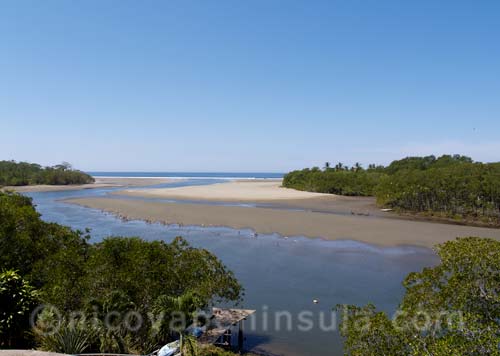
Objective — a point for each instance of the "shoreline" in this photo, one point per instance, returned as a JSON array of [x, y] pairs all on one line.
[[368, 229], [100, 182]]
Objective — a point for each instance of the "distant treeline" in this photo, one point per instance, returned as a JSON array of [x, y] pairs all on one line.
[[451, 186], [24, 173]]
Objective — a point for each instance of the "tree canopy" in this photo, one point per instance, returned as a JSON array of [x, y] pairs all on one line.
[[14, 173], [451, 186]]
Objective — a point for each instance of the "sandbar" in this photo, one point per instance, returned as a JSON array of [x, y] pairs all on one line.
[[370, 229], [230, 191]]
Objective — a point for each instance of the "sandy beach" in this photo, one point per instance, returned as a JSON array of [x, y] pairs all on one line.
[[99, 183], [249, 191]]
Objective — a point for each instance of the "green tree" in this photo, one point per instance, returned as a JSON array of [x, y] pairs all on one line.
[[17, 300], [450, 309], [179, 312], [50, 256], [14, 173], [448, 187], [120, 275]]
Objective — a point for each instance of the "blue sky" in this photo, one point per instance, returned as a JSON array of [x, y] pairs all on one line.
[[247, 85]]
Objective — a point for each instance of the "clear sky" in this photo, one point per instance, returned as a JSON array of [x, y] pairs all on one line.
[[247, 85]]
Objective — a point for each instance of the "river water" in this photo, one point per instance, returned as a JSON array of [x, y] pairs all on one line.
[[281, 276]]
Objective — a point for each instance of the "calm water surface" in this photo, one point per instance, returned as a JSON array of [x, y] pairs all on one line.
[[278, 274]]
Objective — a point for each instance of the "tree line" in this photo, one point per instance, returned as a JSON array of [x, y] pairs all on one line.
[[448, 186], [46, 263], [14, 173]]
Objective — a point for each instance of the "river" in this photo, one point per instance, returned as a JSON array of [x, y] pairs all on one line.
[[281, 276]]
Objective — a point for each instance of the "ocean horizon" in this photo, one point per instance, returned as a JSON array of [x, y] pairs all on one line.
[[187, 175]]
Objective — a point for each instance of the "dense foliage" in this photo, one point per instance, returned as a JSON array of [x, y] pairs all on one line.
[[450, 309], [118, 275], [342, 182], [470, 190], [23, 173], [17, 299], [448, 186]]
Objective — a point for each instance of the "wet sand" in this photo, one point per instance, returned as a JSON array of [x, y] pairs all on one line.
[[99, 183], [264, 193], [370, 229]]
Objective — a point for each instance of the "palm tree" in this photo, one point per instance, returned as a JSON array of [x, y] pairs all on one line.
[[184, 305], [327, 166]]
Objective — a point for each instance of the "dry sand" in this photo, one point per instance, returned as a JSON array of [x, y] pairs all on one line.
[[370, 229], [99, 183], [245, 191]]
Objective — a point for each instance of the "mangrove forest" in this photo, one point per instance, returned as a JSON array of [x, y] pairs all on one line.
[[450, 186]]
